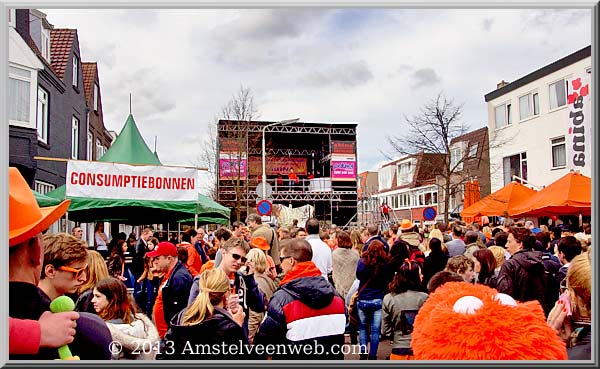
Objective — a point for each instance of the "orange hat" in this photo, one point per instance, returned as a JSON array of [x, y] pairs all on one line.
[[406, 225], [260, 243], [26, 218]]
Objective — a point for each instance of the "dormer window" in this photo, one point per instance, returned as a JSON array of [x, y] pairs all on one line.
[[75, 71], [46, 44], [95, 97], [12, 15]]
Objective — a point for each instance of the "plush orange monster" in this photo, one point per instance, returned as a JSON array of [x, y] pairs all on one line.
[[461, 321]]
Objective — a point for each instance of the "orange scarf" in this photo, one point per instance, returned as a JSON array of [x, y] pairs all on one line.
[[303, 269]]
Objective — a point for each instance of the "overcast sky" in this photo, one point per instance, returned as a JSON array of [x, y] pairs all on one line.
[[366, 66]]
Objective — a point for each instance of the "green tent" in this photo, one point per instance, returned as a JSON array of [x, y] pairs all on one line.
[[44, 200], [130, 148]]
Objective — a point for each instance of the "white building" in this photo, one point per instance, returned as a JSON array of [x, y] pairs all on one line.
[[528, 121]]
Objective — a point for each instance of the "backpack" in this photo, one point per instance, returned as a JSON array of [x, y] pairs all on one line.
[[417, 255]]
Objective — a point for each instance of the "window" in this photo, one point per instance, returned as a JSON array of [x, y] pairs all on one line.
[[90, 147], [75, 138], [455, 159], [473, 150], [529, 105], [12, 14], [515, 165], [100, 150], [42, 115], [75, 71], [558, 94], [46, 44], [559, 152], [404, 171], [43, 187], [95, 97], [503, 115], [19, 92]]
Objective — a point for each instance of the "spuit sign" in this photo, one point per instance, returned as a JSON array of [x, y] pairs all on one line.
[[132, 182], [579, 126]]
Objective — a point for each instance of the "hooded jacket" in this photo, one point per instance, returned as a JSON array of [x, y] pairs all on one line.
[[220, 330], [522, 277], [304, 311], [138, 339]]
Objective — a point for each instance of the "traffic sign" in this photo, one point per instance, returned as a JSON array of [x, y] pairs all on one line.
[[264, 207], [429, 213], [268, 190]]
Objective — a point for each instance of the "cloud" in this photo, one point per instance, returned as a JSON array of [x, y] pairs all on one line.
[[347, 75], [424, 77]]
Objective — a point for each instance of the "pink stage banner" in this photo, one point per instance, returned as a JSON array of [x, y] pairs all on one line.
[[229, 166], [343, 170]]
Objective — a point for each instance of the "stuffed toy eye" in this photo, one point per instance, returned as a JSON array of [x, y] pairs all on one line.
[[467, 305], [505, 299]]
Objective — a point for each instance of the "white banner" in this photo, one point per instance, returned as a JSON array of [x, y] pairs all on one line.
[[100, 180], [579, 125]]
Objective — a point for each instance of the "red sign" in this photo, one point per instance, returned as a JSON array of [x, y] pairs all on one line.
[[343, 147], [264, 207], [277, 165]]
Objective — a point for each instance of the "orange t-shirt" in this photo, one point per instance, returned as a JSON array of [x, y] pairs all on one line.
[[158, 312]]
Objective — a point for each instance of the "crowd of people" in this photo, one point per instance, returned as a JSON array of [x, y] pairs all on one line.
[[255, 292]]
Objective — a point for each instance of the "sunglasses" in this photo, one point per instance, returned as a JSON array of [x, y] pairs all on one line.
[[282, 258], [77, 272], [238, 257]]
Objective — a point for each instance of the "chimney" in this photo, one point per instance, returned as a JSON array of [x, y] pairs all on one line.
[[501, 84]]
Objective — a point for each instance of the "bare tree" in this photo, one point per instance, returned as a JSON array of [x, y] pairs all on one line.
[[207, 158], [430, 135], [242, 110]]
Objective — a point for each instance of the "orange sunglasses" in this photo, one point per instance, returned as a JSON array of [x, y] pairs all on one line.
[[77, 272]]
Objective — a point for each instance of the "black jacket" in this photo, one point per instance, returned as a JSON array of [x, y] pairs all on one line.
[[522, 277], [180, 342], [176, 291], [434, 262], [92, 337], [582, 350], [137, 260], [295, 318]]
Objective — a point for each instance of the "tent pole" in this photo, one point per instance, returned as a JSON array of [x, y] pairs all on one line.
[[195, 221]]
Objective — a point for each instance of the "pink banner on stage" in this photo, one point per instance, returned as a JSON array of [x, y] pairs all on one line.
[[228, 168], [343, 170]]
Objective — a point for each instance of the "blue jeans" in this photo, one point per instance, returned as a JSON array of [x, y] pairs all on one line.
[[369, 317]]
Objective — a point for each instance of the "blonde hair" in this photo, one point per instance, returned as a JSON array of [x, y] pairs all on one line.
[[579, 282], [499, 255], [357, 243], [259, 259], [214, 284], [97, 270], [436, 233]]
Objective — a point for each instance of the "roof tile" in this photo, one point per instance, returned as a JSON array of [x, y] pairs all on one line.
[[61, 43], [89, 76]]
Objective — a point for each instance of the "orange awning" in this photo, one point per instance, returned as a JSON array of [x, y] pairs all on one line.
[[472, 195], [569, 195], [500, 202]]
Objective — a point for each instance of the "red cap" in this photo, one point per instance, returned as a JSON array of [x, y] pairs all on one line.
[[163, 249]]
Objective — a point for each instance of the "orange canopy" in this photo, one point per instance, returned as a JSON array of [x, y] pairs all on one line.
[[472, 195], [500, 202], [569, 195]]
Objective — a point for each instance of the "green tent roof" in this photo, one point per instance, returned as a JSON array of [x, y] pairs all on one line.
[[44, 200], [129, 147]]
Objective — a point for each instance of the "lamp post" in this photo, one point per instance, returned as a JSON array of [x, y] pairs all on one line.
[[264, 152]]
